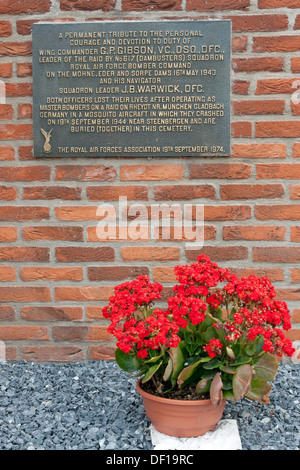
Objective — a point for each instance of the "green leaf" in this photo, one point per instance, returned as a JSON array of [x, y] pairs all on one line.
[[153, 359], [188, 371], [227, 369], [216, 393], [205, 324], [168, 370], [253, 348], [126, 361], [213, 364], [178, 358], [209, 334], [151, 371], [259, 391], [241, 360], [203, 386], [266, 367], [241, 381]]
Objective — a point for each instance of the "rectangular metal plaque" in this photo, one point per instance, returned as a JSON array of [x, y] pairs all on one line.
[[131, 88]]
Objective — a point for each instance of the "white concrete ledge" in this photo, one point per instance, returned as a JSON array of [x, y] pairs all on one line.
[[225, 437]]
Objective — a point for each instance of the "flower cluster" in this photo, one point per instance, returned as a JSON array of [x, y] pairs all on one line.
[[211, 316], [131, 323], [214, 347]]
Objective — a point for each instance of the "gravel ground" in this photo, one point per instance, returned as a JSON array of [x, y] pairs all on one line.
[[94, 405]]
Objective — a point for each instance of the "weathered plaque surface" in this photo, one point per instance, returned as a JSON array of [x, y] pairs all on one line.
[[129, 88]]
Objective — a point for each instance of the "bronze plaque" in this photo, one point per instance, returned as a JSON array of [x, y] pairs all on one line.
[[132, 88]]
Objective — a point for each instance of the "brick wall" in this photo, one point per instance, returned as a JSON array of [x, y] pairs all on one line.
[[55, 276]]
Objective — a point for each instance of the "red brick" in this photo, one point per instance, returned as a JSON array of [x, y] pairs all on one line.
[[220, 170], [26, 173], [278, 3], [183, 192], [282, 254], [52, 192], [88, 5], [227, 213], [259, 150], [241, 87], [94, 313], [15, 7], [151, 172], [15, 90], [53, 233], [275, 86], [24, 27], [277, 129], [164, 274], [295, 191], [296, 150], [295, 108], [297, 22], [5, 28], [279, 212], [15, 253], [52, 353], [25, 294], [146, 5], [115, 273], [261, 64], [80, 333], [287, 294], [6, 112], [117, 234], [295, 275], [8, 234], [296, 316], [241, 129], [74, 213], [166, 234], [52, 313], [216, 5], [7, 152], [219, 253], [150, 253], [258, 107], [24, 69], [84, 254], [6, 70], [7, 274], [29, 274], [25, 111], [293, 335], [276, 44], [251, 191], [21, 332], [259, 22], [15, 48], [7, 313], [26, 152], [101, 353], [8, 193], [295, 234], [274, 274], [239, 44], [278, 170], [83, 293], [85, 173], [258, 232], [16, 131], [23, 213], [112, 193]]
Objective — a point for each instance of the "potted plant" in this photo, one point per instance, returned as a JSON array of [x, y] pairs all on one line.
[[220, 338]]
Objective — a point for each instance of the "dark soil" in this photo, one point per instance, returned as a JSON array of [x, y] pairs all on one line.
[[186, 393]]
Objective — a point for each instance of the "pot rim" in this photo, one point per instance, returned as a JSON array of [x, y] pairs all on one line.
[[172, 401]]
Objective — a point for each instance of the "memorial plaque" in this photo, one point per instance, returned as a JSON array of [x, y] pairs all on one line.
[[131, 88]]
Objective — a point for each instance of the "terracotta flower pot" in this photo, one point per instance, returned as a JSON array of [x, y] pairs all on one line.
[[181, 418]]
